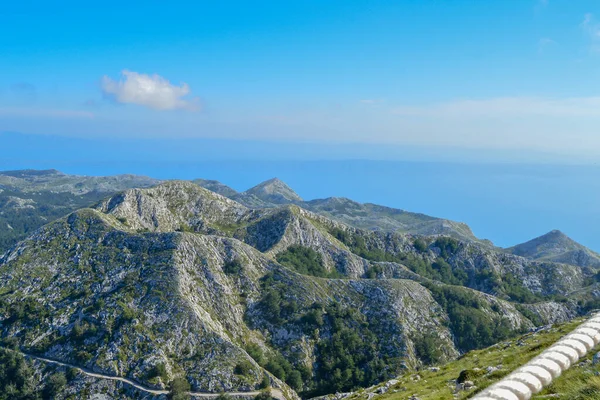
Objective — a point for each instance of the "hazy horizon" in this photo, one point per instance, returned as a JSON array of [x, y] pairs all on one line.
[[508, 203]]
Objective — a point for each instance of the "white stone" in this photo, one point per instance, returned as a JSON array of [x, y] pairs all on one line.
[[552, 367], [520, 389], [533, 382]]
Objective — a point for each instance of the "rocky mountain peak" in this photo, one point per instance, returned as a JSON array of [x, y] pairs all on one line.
[[555, 234], [173, 205], [558, 247], [554, 239], [274, 191]]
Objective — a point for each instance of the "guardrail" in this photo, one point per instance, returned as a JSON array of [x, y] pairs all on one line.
[[531, 378]]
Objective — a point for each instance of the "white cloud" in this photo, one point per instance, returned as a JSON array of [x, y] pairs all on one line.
[[151, 91], [507, 107]]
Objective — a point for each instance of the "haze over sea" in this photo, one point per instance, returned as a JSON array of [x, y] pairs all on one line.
[[506, 202]]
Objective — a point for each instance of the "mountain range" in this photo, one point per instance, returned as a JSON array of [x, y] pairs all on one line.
[[177, 281]]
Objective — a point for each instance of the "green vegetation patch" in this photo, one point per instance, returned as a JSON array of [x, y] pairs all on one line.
[[471, 325], [349, 354], [305, 261]]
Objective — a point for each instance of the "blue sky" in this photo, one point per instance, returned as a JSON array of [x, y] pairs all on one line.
[[243, 91], [496, 76]]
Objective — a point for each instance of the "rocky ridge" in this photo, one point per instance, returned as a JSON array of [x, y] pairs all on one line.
[[274, 193]]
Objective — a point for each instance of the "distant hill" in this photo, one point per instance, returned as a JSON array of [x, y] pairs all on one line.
[[376, 217], [58, 182], [555, 246], [274, 193], [268, 193], [32, 198]]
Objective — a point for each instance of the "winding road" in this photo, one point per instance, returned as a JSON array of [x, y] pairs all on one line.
[[276, 393]]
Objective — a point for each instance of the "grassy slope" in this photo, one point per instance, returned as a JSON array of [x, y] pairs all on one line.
[[579, 382]]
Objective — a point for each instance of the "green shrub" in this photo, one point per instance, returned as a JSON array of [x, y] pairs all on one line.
[[233, 267], [276, 308], [373, 272], [313, 318], [15, 377], [530, 315], [179, 389], [428, 349], [54, 385], [243, 367], [276, 368], [447, 245], [264, 395], [127, 313], [469, 375], [83, 356], [223, 396], [472, 327], [294, 379], [266, 382], [348, 353], [349, 357], [420, 245], [158, 370], [256, 353], [72, 374]]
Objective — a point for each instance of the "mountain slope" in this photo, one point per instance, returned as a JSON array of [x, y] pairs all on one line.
[[555, 246], [176, 281], [155, 306]]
